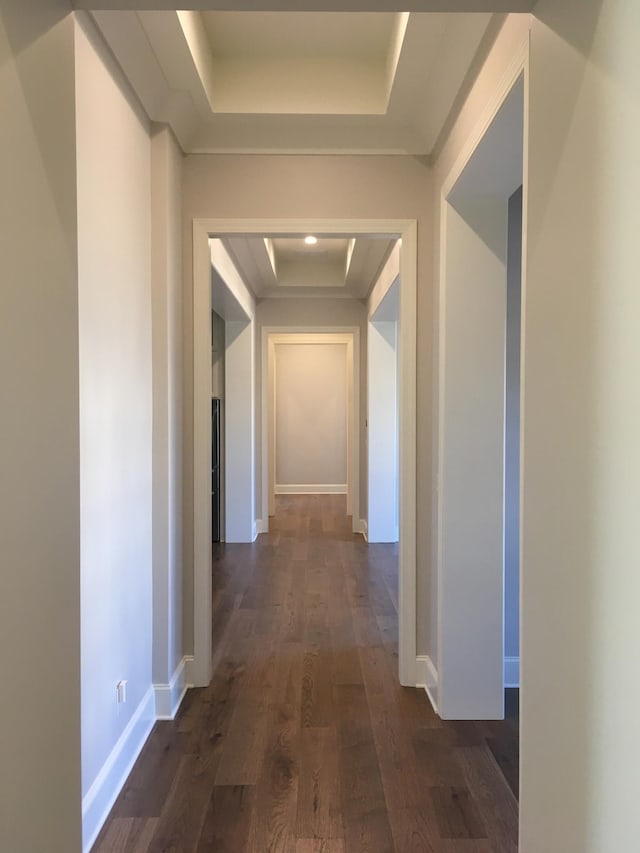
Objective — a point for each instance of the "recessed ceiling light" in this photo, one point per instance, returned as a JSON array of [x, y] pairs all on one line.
[[310, 240]]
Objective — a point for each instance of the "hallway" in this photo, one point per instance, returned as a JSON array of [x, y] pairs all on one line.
[[304, 742]]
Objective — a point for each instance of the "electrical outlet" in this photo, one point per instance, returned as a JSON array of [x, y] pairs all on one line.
[[121, 692]]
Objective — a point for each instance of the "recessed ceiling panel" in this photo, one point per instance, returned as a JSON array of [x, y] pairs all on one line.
[[326, 248], [277, 35], [301, 63], [300, 82], [323, 264], [345, 267]]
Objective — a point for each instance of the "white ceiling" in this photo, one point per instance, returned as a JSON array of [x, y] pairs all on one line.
[[273, 35], [301, 63], [344, 267], [303, 76], [303, 82]]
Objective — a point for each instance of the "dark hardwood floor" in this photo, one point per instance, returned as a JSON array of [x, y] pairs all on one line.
[[304, 742]]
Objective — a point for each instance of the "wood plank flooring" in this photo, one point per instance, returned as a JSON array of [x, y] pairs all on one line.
[[304, 742]]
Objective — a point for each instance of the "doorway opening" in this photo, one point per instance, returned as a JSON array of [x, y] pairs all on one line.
[[310, 435], [204, 230], [479, 418]]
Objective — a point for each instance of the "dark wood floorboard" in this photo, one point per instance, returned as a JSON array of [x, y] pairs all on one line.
[[305, 742]]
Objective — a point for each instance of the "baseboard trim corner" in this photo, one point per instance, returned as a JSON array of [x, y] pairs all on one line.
[[261, 526], [169, 696], [427, 677], [363, 528], [99, 799], [189, 680]]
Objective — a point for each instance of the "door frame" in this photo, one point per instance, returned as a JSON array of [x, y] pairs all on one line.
[[517, 72], [404, 229], [348, 336]]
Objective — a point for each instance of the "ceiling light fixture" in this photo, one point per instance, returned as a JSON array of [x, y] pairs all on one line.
[[310, 240]]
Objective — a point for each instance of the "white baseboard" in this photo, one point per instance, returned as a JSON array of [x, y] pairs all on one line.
[[363, 528], [427, 677], [512, 672], [188, 671], [315, 489], [99, 799], [169, 696], [261, 526]]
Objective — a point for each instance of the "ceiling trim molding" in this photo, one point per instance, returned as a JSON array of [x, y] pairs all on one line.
[[401, 109], [311, 5]]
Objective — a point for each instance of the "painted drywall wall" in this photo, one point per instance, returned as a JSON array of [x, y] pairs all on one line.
[[218, 186], [114, 295], [382, 438], [233, 373], [311, 415], [217, 390], [512, 438], [580, 546], [166, 260], [231, 297], [295, 314], [217, 355], [470, 648], [382, 432], [239, 447], [508, 46], [40, 791]]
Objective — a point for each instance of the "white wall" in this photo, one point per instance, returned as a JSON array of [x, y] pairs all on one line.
[[166, 260], [116, 411], [311, 416], [512, 442], [470, 583], [233, 374], [217, 390], [239, 418], [382, 405], [580, 545], [39, 454], [382, 438], [217, 355], [382, 434]]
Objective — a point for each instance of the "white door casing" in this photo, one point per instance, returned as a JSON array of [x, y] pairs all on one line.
[[203, 229]]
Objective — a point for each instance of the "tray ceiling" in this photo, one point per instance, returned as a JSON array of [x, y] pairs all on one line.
[[344, 267], [299, 82]]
